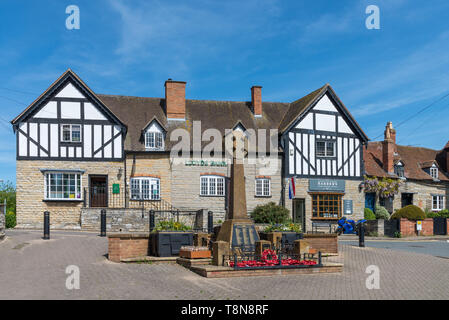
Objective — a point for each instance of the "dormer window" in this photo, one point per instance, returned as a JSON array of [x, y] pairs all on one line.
[[154, 137], [434, 172], [399, 170]]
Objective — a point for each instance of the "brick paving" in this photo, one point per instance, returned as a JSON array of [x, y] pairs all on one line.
[[32, 268]]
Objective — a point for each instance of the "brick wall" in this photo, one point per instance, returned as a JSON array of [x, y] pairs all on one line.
[[124, 246], [408, 227], [326, 243], [30, 192]]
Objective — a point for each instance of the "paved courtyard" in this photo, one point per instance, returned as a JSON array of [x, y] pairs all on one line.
[[32, 268]]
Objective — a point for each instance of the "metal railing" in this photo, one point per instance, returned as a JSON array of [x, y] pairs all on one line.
[[110, 197]]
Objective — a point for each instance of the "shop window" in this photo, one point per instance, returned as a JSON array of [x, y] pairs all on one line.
[[62, 186], [145, 189], [212, 186], [326, 206], [263, 187]]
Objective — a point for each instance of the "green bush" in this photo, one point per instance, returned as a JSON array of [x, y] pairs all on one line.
[[381, 213], [171, 225], [270, 213], [289, 226], [10, 221], [369, 214], [410, 212], [444, 213], [440, 214]]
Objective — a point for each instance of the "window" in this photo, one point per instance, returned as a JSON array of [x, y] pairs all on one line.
[[326, 206], [437, 203], [63, 186], [263, 187], [434, 172], [154, 140], [399, 170], [212, 186], [71, 133], [325, 149], [145, 189]]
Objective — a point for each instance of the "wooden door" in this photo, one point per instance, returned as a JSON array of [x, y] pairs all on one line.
[[98, 191]]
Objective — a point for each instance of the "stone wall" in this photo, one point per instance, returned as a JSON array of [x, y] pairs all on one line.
[[326, 243], [133, 220], [2, 224], [352, 193], [186, 188], [63, 214]]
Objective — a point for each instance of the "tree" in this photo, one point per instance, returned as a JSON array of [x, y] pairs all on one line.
[[8, 192]]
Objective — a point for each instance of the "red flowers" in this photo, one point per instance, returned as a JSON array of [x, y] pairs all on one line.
[[269, 258]]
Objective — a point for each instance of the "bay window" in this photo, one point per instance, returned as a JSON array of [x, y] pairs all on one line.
[[145, 188]]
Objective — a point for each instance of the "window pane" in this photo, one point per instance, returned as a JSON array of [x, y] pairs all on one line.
[[135, 189], [76, 133], [66, 132], [145, 189], [321, 148], [220, 186], [330, 149], [212, 186], [204, 186]]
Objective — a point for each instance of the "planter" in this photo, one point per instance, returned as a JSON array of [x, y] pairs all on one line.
[[199, 254], [169, 243]]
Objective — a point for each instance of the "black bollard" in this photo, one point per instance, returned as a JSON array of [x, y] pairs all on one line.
[[210, 222], [362, 235], [151, 220], [103, 223], [46, 225]]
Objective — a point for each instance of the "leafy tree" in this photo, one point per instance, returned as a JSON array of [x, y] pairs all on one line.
[[270, 213], [8, 192]]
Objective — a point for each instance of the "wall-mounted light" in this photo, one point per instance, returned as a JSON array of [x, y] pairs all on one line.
[[120, 171], [361, 186]]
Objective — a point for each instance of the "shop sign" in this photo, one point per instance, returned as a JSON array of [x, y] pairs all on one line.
[[326, 185], [347, 207], [205, 163], [115, 188]]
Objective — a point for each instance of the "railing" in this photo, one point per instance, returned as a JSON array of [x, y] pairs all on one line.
[[274, 260], [110, 197]]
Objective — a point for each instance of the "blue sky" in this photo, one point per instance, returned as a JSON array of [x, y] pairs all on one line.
[[222, 48]]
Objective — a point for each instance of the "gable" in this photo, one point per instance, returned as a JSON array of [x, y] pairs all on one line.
[[326, 116]]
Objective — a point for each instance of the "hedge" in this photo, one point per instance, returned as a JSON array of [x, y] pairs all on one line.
[[410, 212]]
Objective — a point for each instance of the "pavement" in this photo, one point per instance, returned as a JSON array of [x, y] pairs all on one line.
[[32, 268]]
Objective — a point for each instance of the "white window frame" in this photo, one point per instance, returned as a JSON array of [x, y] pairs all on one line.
[[144, 188], [440, 202], [212, 186], [77, 195], [399, 167], [262, 190], [434, 173], [326, 155], [71, 133]]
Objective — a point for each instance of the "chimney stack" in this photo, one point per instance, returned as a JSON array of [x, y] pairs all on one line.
[[256, 100], [446, 149], [175, 99], [388, 147]]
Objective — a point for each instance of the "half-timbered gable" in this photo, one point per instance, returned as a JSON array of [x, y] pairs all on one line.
[[68, 122], [321, 139]]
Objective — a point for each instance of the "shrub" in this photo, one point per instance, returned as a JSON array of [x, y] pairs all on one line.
[[444, 213], [397, 234], [10, 221], [171, 225], [382, 213], [369, 214], [270, 213], [289, 226], [410, 212], [441, 214]]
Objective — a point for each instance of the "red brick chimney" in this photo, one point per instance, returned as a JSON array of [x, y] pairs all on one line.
[[256, 100], [446, 149], [175, 99], [388, 147]]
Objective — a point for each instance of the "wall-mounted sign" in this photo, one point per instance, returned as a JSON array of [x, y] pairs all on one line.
[[115, 188], [418, 225], [347, 207], [206, 163], [326, 185]]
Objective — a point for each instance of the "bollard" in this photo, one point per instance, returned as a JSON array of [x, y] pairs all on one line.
[[210, 222], [46, 225], [151, 220], [103, 223], [362, 235]]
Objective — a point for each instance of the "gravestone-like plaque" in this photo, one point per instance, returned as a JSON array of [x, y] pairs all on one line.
[[244, 236]]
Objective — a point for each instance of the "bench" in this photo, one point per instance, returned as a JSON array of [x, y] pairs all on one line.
[[316, 225]]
